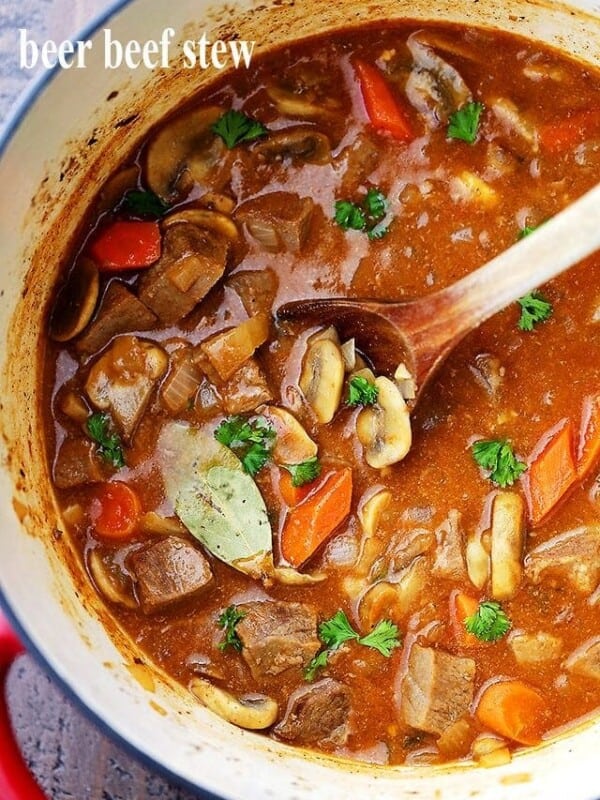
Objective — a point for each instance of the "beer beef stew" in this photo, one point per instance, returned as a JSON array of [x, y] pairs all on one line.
[[272, 521]]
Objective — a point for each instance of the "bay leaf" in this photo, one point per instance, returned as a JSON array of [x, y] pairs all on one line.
[[225, 511]]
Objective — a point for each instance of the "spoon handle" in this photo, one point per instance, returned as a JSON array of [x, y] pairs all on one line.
[[561, 242]]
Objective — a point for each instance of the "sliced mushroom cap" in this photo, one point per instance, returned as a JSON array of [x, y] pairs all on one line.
[[76, 301], [303, 143], [349, 355], [371, 511], [406, 382], [115, 187], [381, 601], [322, 378], [434, 87], [288, 576], [204, 218], [384, 429], [295, 105], [110, 580], [477, 560], [185, 144], [292, 445], [507, 544], [254, 712]]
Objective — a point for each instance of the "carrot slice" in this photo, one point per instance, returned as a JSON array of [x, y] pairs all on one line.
[[589, 436], [293, 495], [513, 709], [556, 137], [462, 606], [127, 245], [309, 524], [115, 510], [383, 108], [551, 472]]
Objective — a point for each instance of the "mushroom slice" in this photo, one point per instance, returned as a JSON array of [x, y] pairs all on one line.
[[384, 429], [115, 187], [121, 381], [406, 382], [477, 560], [349, 355], [151, 522], [110, 580], [288, 576], [507, 543], [185, 144], [293, 445], [302, 143], [380, 601], [217, 201], [372, 509], [253, 712], [294, 105], [204, 218], [76, 302], [322, 378], [514, 122], [434, 87]]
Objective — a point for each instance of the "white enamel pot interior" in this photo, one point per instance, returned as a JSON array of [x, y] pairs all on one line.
[[66, 138]]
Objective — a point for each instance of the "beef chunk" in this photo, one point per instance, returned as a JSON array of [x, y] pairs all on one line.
[[122, 380], [246, 389], [277, 636], [436, 690], [77, 463], [573, 556], [120, 312], [192, 261], [168, 571], [278, 220], [256, 289], [317, 714], [586, 659]]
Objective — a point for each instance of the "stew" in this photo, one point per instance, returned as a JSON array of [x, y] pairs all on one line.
[[273, 522]]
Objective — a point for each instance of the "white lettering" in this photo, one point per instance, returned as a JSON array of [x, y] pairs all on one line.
[[241, 50], [165, 41], [50, 53], [189, 53], [218, 48], [202, 47], [113, 51]]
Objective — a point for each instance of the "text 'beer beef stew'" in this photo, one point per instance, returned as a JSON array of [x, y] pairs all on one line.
[[272, 521]]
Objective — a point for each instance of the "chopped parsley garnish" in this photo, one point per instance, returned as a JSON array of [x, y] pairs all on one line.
[[489, 623], [228, 621], [234, 127], [335, 631], [305, 472], [384, 638], [140, 203], [317, 663], [526, 231], [497, 456], [109, 442], [362, 392], [534, 308], [250, 440], [464, 123], [368, 216]]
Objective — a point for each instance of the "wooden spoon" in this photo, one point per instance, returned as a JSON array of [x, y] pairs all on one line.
[[422, 332]]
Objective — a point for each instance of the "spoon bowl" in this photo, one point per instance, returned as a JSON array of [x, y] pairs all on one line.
[[421, 333]]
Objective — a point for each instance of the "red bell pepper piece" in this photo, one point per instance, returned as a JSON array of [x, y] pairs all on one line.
[[383, 108], [127, 244]]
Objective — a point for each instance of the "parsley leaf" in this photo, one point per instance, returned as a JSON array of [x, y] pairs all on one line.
[[228, 621], [337, 630], [109, 443], [235, 127], [534, 308], [489, 623], [251, 440], [318, 662], [350, 216], [464, 123], [368, 216], [497, 456], [305, 472], [526, 231], [384, 638], [362, 392], [144, 204]]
